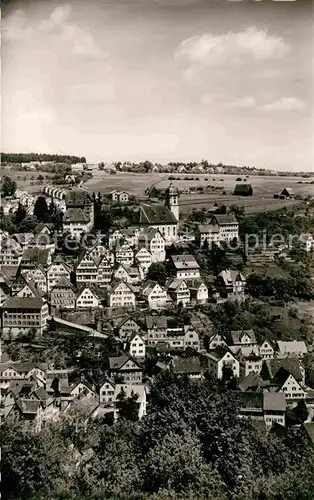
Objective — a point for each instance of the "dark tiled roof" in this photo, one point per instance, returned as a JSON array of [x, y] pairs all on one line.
[[28, 406], [224, 219], [75, 215], [23, 303], [64, 283], [292, 365], [238, 334], [77, 197], [274, 401], [36, 255], [185, 261], [309, 428], [156, 214], [251, 381]]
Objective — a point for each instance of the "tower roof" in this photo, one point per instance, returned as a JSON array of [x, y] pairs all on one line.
[[172, 190]]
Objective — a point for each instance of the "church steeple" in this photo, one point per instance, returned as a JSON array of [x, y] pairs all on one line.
[[172, 200]]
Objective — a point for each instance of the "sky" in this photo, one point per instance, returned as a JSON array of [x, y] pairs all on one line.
[[160, 80]]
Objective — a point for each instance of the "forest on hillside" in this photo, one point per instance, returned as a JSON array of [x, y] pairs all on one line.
[[31, 157]]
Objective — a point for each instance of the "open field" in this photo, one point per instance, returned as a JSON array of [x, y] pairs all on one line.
[[262, 200], [26, 180]]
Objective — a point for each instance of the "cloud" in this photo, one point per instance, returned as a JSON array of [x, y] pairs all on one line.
[[242, 103], [285, 104], [17, 27], [98, 91], [232, 48]]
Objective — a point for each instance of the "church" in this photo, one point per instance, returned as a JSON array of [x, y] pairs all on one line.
[[165, 217]]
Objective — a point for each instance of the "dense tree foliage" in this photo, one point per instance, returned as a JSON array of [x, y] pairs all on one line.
[[190, 445], [31, 157], [8, 186], [157, 272]]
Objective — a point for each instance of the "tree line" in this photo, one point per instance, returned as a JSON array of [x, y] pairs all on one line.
[[30, 157]]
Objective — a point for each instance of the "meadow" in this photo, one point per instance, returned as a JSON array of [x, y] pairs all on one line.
[[264, 188]]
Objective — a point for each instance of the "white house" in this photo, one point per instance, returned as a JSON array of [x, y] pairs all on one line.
[[144, 258], [191, 338], [121, 295], [153, 241], [217, 340], [155, 294], [124, 254], [106, 392], [179, 292], [137, 346], [198, 290], [57, 270], [87, 299], [220, 357], [266, 350], [185, 266]]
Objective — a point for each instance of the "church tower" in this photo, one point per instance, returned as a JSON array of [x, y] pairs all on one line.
[[172, 200]]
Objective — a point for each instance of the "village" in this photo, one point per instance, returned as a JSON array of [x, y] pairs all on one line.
[[143, 288]]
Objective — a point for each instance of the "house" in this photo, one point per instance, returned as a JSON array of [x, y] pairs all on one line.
[[23, 239], [39, 276], [156, 327], [105, 266], [219, 358], [287, 384], [243, 338], [129, 391], [121, 294], [119, 196], [23, 314], [228, 226], [10, 252], [81, 199], [243, 190], [266, 350], [216, 340], [55, 271], [165, 218], [86, 269], [187, 366], [76, 223], [126, 368], [191, 338], [137, 346], [155, 295], [285, 194], [179, 292], [252, 363], [124, 254], [127, 328], [269, 407], [106, 392], [294, 348], [207, 234], [87, 299], [270, 368], [152, 240], [43, 241], [143, 258], [185, 266], [63, 295], [231, 283], [34, 257], [198, 291]]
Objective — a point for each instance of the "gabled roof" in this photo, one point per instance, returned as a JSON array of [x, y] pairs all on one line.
[[236, 336], [117, 362], [230, 276], [149, 286], [251, 382], [116, 283], [78, 197], [28, 406], [281, 376], [91, 289], [292, 365], [64, 283], [156, 215], [36, 255], [149, 233], [194, 284], [219, 353], [176, 283], [38, 229]]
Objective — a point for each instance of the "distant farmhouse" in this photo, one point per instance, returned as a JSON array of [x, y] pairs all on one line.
[[243, 190], [285, 194]]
